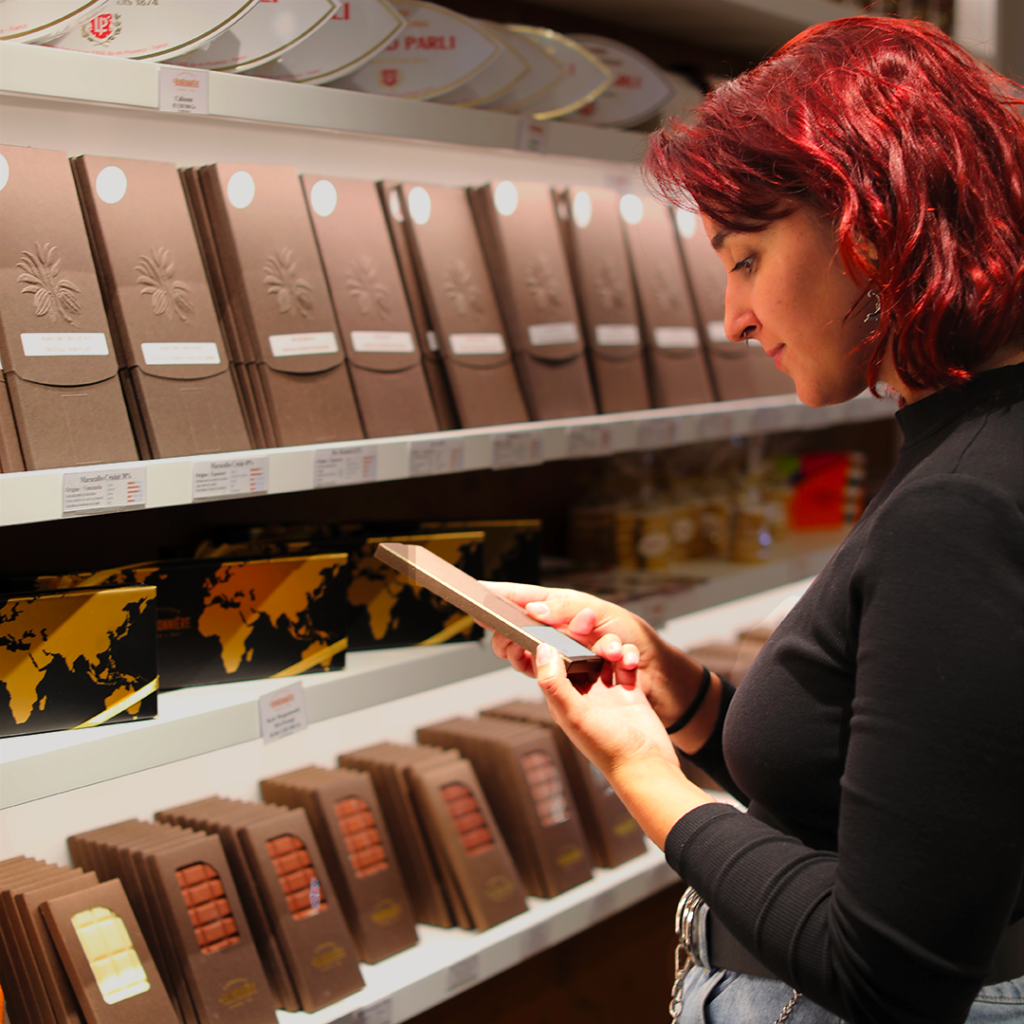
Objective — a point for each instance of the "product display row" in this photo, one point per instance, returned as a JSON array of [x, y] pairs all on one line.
[[410, 48], [243, 306], [224, 904]]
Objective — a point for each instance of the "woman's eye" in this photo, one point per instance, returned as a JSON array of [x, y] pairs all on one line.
[[744, 264]]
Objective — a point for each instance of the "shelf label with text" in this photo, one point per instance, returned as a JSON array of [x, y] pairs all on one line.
[[509, 451], [227, 478], [183, 90], [589, 441], [465, 972], [335, 467], [432, 458], [282, 712], [103, 490], [536, 939]]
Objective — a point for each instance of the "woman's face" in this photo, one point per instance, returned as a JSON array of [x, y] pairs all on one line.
[[787, 288]]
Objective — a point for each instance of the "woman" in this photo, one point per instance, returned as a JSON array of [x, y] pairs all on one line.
[[865, 190]]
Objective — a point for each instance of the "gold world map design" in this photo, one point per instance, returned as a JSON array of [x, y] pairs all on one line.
[[80, 630]]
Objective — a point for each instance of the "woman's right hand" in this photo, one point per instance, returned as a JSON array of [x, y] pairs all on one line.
[[633, 651]]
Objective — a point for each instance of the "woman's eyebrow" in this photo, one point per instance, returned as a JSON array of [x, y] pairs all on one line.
[[719, 239]]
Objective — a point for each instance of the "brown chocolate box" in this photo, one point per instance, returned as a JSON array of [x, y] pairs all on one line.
[[349, 825], [280, 303], [452, 805], [604, 288], [369, 302], [87, 944], [524, 248], [457, 288], [738, 371], [676, 364], [162, 315], [614, 835], [426, 336], [55, 347], [11, 460]]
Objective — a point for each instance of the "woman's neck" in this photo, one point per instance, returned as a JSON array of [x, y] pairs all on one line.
[[1009, 355]]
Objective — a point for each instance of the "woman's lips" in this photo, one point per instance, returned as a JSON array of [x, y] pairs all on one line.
[[776, 354]]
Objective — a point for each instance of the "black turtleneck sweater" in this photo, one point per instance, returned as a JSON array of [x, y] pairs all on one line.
[[880, 738]]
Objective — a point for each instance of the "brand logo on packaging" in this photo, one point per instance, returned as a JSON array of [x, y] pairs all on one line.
[[390, 77], [385, 912], [327, 956], [498, 888], [102, 28], [237, 992], [568, 855]]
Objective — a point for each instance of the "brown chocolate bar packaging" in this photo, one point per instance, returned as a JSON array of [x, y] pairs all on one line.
[[280, 303], [369, 301], [452, 805], [106, 957], [354, 839], [77, 658], [739, 371], [55, 346], [676, 362], [607, 301], [426, 335], [521, 237], [11, 460], [614, 835], [162, 316], [463, 309]]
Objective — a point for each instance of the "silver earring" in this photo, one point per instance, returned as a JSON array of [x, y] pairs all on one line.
[[874, 315]]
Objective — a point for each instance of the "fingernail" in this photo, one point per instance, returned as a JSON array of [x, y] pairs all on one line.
[[544, 655], [614, 647], [538, 609]]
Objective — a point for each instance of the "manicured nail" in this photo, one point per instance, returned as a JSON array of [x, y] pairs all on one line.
[[538, 609]]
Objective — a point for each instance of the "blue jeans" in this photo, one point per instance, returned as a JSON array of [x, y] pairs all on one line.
[[725, 997]]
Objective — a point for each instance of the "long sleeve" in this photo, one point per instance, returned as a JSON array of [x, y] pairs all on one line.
[[899, 922]]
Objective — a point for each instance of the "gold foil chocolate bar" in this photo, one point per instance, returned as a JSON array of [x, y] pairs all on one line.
[[280, 303], [354, 839], [369, 301], [676, 363], [613, 834], [163, 320], [607, 301], [55, 347], [521, 236], [457, 287]]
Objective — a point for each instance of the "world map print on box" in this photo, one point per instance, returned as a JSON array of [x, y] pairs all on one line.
[[66, 658]]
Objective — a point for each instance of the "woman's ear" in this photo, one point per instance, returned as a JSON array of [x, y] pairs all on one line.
[[866, 250]]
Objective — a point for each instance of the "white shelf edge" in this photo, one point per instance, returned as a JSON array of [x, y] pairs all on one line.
[[426, 968], [64, 75], [200, 720], [36, 496]]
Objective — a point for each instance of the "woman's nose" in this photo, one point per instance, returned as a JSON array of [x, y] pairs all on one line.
[[740, 322]]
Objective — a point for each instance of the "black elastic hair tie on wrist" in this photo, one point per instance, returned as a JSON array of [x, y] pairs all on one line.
[[684, 720]]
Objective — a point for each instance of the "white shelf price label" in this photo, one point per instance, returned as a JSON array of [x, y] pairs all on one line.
[[228, 478], [335, 467], [589, 441], [509, 451], [656, 434], [464, 973], [432, 458], [282, 712], [183, 90], [103, 490], [377, 1013], [536, 939]]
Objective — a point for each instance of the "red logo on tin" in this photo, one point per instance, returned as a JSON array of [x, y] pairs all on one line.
[[101, 26], [389, 76]]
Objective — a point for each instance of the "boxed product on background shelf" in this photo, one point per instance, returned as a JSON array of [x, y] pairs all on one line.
[[77, 658], [224, 620]]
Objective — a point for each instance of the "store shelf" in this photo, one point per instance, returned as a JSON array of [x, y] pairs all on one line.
[[39, 496], [205, 719], [449, 960], [754, 27], [64, 75]]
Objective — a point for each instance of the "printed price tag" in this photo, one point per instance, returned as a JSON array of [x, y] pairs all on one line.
[[536, 938], [104, 490], [512, 450], [463, 973], [282, 712], [431, 458], [378, 1013], [227, 478], [590, 441], [532, 135], [656, 434], [335, 467], [183, 90]]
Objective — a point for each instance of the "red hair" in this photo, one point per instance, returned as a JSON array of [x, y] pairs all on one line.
[[905, 142]]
